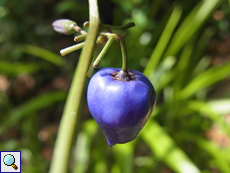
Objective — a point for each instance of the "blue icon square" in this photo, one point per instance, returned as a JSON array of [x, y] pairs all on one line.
[[10, 161]]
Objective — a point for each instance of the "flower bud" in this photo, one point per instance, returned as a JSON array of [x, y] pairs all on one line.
[[64, 26]]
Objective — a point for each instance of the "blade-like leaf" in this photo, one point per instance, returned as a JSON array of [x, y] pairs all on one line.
[[220, 106], [163, 73], [199, 49], [180, 69], [30, 107], [162, 77], [163, 42], [207, 109], [15, 69], [82, 150], [124, 156], [43, 53], [164, 148], [205, 79], [218, 156], [191, 24]]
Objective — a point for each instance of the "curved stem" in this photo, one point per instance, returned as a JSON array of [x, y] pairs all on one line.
[[124, 54], [104, 50], [96, 52], [117, 29], [127, 26], [60, 159]]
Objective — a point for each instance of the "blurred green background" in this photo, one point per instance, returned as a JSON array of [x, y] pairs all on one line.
[[183, 47]]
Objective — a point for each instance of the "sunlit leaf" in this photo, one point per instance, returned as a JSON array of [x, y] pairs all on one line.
[[181, 67], [220, 106], [164, 148], [205, 79], [163, 73], [30, 107], [15, 69], [43, 53], [191, 25], [124, 156], [210, 110], [82, 149], [202, 65], [163, 42], [217, 153]]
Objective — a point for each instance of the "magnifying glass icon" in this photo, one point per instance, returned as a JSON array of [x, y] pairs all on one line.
[[9, 160]]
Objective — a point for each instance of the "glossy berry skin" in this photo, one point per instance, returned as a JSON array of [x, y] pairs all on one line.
[[120, 108]]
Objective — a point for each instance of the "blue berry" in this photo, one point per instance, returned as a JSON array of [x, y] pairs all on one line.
[[120, 105]]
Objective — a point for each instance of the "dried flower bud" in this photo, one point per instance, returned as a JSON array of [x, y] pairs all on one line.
[[64, 26]]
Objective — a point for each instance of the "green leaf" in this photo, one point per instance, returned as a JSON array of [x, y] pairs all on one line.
[[164, 148], [124, 156], [201, 66], [15, 69], [211, 111], [181, 67], [163, 41], [205, 79], [31, 107], [82, 150], [199, 49], [191, 25], [220, 106], [44, 54], [164, 73], [218, 155]]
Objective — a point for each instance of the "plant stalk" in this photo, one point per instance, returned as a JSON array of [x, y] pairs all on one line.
[[104, 51], [70, 49], [117, 29], [61, 155], [124, 54]]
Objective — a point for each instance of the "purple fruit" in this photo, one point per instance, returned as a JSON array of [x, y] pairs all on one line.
[[120, 108]]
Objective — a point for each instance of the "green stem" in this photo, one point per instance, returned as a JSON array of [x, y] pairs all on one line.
[[96, 52], [60, 160], [80, 37], [71, 49], [127, 26], [104, 50], [124, 54], [117, 29], [78, 29]]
